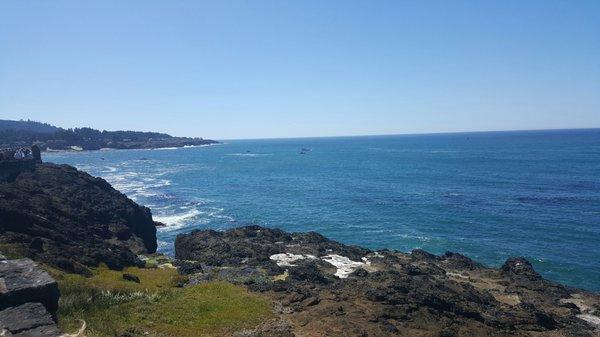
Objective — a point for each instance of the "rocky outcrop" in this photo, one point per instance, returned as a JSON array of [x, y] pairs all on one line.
[[22, 281], [28, 300], [358, 292], [27, 320], [71, 220]]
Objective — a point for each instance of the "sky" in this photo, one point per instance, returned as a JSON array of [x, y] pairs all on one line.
[[262, 69]]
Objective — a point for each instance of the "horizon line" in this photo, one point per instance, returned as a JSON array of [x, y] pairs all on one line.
[[411, 134]]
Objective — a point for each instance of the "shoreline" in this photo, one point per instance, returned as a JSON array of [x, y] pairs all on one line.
[[299, 276], [110, 149]]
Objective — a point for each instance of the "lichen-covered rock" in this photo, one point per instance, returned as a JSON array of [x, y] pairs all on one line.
[[22, 281], [71, 220], [27, 320]]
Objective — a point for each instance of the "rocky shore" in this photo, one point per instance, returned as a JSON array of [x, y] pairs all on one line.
[[68, 220], [62, 145], [324, 288]]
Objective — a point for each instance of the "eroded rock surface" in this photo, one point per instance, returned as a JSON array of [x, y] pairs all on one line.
[[27, 320], [324, 288], [22, 281], [70, 220]]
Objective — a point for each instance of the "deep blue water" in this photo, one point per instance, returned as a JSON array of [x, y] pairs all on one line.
[[486, 195]]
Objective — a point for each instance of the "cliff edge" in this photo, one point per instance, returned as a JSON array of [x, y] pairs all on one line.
[[68, 219]]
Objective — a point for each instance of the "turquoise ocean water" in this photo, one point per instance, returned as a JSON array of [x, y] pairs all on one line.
[[487, 195]]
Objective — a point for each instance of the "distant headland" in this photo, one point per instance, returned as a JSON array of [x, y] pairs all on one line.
[[14, 134]]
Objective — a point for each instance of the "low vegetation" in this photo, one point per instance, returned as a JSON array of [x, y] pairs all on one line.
[[156, 306]]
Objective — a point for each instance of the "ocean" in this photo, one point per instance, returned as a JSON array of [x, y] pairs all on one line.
[[487, 195]]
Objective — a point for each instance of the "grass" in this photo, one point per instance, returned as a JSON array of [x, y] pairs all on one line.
[[157, 306], [13, 250]]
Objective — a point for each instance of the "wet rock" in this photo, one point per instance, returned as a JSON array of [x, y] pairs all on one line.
[[22, 281], [27, 320]]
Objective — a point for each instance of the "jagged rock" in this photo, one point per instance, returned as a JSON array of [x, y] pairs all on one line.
[[519, 266], [23, 281], [27, 320], [71, 220], [389, 293], [254, 245]]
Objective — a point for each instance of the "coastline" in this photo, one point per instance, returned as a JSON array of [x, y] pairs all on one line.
[[402, 213], [351, 289]]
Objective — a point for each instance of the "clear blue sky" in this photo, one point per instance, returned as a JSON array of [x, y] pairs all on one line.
[[253, 69]]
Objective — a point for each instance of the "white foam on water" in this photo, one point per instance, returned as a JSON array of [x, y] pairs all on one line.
[[287, 259], [163, 148], [249, 154], [177, 220], [217, 213], [344, 265]]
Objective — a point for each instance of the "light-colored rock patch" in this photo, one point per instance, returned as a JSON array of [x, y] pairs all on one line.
[[344, 265], [591, 319], [287, 259], [587, 310]]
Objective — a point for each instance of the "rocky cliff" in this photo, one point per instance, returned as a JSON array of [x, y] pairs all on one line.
[[324, 288], [68, 219]]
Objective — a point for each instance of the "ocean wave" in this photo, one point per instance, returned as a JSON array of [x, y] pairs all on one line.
[[249, 154], [203, 145], [414, 237], [217, 213], [177, 220], [163, 148]]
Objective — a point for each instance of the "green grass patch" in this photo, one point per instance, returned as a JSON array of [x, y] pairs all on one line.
[[13, 250], [157, 306]]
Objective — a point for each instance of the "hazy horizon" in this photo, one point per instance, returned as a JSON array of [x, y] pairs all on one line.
[[344, 136], [240, 70]]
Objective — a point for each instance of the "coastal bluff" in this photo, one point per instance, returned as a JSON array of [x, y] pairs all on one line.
[[63, 217]]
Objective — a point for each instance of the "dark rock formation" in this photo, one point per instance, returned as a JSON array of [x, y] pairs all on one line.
[[22, 281], [27, 320], [253, 245], [325, 288], [28, 300], [71, 220], [9, 170]]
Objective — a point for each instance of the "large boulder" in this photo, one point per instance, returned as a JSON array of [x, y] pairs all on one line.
[[69, 219], [22, 281]]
